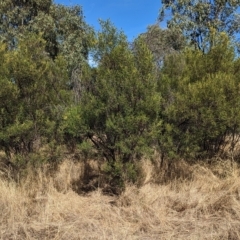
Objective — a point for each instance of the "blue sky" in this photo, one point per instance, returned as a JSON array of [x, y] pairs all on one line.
[[131, 16]]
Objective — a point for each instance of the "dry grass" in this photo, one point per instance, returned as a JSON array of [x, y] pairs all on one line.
[[204, 205]]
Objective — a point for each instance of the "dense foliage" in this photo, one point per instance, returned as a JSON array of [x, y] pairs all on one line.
[[156, 94]]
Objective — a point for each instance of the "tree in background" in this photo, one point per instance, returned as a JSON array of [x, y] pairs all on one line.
[[195, 19], [163, 42], [63, 28], [16, 17]]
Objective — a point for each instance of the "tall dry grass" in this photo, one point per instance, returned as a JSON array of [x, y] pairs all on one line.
[[203, 202]]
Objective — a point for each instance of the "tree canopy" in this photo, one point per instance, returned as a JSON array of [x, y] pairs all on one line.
[[196, 19]]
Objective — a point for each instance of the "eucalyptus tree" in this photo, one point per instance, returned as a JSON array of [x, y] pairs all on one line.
[[16, 17], [163, 42], [196, 19], [63, 28]]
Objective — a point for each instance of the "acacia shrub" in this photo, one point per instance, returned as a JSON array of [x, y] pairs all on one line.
[[118, 113], [200, 108], [34, 86]]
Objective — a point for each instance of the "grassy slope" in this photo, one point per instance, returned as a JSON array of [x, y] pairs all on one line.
[[206, 206]]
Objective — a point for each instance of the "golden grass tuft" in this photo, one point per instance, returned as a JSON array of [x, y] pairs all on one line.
[[201, 204]]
